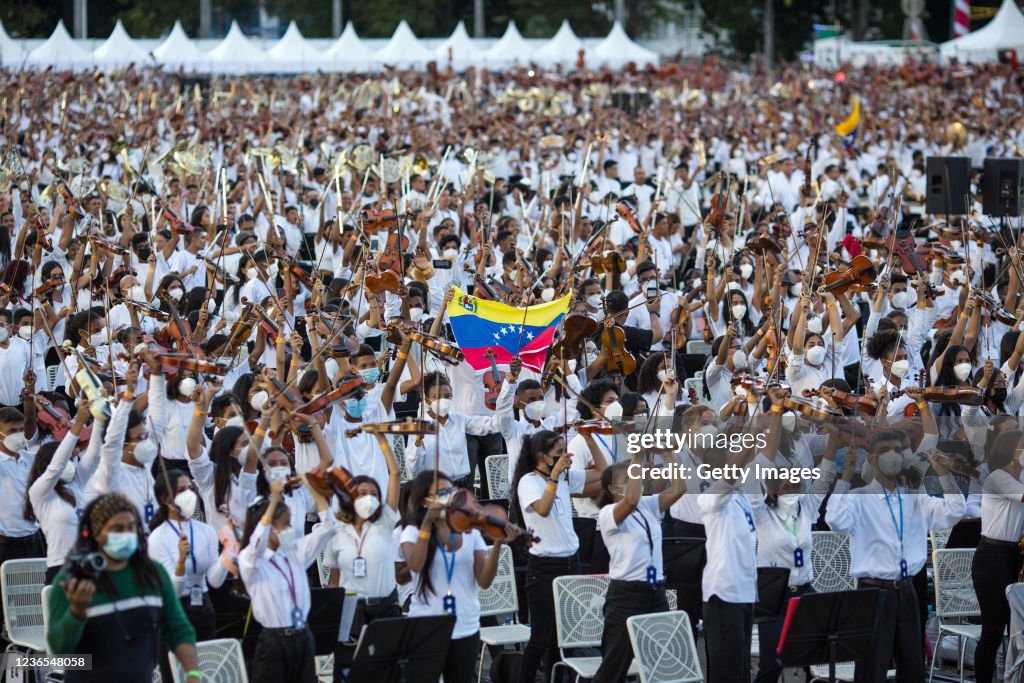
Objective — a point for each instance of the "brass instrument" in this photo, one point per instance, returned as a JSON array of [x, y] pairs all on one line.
[[956, 135], [193, 160], [74, 166]]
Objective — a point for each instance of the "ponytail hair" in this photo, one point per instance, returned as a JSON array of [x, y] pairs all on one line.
[[533, 446]]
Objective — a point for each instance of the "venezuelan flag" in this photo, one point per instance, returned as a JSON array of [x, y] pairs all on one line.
[[481, 326], [847, 129]]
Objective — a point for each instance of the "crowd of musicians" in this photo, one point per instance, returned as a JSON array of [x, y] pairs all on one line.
[[225, 352]]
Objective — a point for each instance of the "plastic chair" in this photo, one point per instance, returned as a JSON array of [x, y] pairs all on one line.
[[21, 584], [579, 622], [696, 346], [501, 599], [663, 648], [220, 661], [939, 538], [673, 598], [51, 376], [325, 572], [325, 668], [955, 600], [830, 557], [496, 467]]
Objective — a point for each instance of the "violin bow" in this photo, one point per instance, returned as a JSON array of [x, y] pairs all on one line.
[[273, 294], [594, 409]]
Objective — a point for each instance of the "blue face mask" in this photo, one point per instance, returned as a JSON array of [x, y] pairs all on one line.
[[355, 406], [370, 375], [121, 545]]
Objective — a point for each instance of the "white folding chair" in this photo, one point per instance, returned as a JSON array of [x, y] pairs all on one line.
[[220, 661], [673, 598], [579, 621], [697, 346], [955, 600], [697, 384], [325, 572], [830, 558], [51, 377], [325, 668], [939, 538], [21, 584], [499, 600], [496, 467], [663, 648]]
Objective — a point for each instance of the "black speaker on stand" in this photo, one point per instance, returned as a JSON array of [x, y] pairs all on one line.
[[948, 185], [1003, 187]]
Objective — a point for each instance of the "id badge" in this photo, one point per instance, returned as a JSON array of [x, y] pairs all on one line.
[[148, 512], [449, 604], [903, 569], [298, 621], [558, 506], [195, 596], [652, 576], [798, 557], [359, 567]]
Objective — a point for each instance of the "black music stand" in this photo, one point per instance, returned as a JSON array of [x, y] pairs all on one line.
[[684, 559], [402, 650], [826, 628], [772, 588]]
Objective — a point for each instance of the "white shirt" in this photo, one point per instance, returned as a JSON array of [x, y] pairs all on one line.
[[13, 485], [630, 549], [462, 585], [14, 361], [276, 580], [731, 570], [452, 450], [514, 431], [1002, 513], [582, 459], [557, 537], [376, 545], [686, 509], [871, 517], [240, 493], [203, 568]]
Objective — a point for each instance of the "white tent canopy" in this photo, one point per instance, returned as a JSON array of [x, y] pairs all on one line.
[[463, 52], [511, 49], [562, 49], [120, 50], [11, 51], [617, 50], [237, 54], [348, 53], [294, 51], [178, 50], [404, 49], [1005, 31], [61, 51]]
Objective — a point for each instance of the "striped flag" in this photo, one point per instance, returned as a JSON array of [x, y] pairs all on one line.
[[961, 18]]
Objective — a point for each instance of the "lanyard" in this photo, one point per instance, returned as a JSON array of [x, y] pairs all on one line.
[[449, 568], [191, 545], [647, 529], [899, 527], [614, 452], [794, 528], [360, 538], [289, 578]]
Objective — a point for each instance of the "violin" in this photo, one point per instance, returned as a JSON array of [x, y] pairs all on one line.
[[905, 248], [861, 403], [965, 395], [492, 380], [588, 427], [110, 247], [73, 206], [297, 272], [807, 190], [173, 220], [626, 213], [575, 330], [811, 410], [613, 340], [57, 421], [405, 427], [440, 348], [464, 513], [186, 362], [240, 332], [218, 273], [716, 216], [290, 399], [995, 308], [148, 311], [765, 243], [385, 280], [386, 219], [608, 262], [392, 258], [178, 330], [344, 389], [267, 324], [857, 275], [337, 481], [48, 286]]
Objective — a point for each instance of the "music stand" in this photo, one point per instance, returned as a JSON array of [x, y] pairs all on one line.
[[826, 628], [772, 587], [684, 559], [402, 650]]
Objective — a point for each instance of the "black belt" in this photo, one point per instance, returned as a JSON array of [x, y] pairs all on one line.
[[637, 585], [995, 542], [898, 584], [19, 540], [287, 632], [566, 561]]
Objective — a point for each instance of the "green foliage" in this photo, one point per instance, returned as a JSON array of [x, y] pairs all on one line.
[[29, 19]]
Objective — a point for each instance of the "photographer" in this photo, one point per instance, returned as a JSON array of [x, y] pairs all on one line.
[[112, 602]]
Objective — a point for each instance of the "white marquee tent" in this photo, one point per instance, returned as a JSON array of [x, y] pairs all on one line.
[[617, 50], [349, 52], [237, 54], [563, 49], [178, 50], [293, 52], [11, 51], [511, 49], [61, 51], [404, 49], [1004, 31], [120, 50], [463, 53]]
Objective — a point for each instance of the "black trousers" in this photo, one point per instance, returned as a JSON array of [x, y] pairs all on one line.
[[460, 664], [543, 645], [624, 599], [365, 614], [51, 573], [898, 636], [284, 654], [769, 666], [728, 628], [479, 447], [995, 567], [689, 594], [23, 548]]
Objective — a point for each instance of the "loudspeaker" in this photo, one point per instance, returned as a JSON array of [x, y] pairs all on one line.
[[1003, 187], [947, 185]]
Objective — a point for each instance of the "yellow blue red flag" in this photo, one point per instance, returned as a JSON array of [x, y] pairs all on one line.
[[847, 129], [481, 326]]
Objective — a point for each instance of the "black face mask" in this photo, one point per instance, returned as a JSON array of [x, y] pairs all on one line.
[[144, 254], [999, 395]]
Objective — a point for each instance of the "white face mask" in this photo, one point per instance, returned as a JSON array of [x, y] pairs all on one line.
[[186, 387], [285, 538], [814, 325], [889, 463], [815, 355], [787, 502], [415, 314], [738, 311], [186, 503], [366, 505], [534, 410], [235, 421], [746, 270], [259, 399], [696, 284], [900, 368], [962, 371], [273, 474], [710, 430], [739, 359], [68, 473], [15, 441], [547, 294], [789, 421], [795, 290], [899, 300], [546, 266], [594, 301], [441, 406], [251, 273], [176, 293], [145, 452], [137, 293], [272, 271], [662, 375], [957, 276], [3, 334], [572, 365], [25, 332], [449, 253], [741, 391], [99, 338]]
